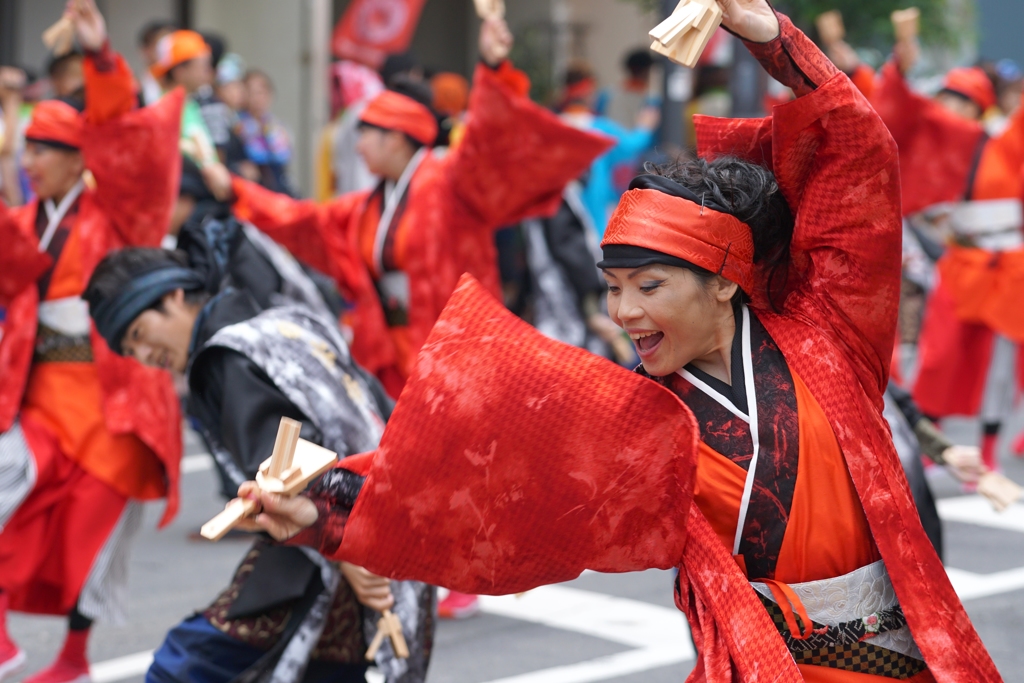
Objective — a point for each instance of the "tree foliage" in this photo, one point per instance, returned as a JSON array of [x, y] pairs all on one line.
[[867, 22]]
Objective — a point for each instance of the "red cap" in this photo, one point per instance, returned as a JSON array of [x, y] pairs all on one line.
[[392, 111], [972, 83], [177, 48], [56, 121]]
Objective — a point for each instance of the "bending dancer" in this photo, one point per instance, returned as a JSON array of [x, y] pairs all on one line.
[[783, 503], [84, 434], [970, 339], [287, 612], [398, 251]]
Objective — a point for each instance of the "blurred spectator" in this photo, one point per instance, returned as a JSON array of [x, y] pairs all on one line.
[[710, 97], [624, 102], [67, 80], [451, 99], [220, 118], [577, 109], [149, 36], [340, 168], [230, 84], [1008, 80], [403, 65], [12, 83], [267, 142], [183, 59]]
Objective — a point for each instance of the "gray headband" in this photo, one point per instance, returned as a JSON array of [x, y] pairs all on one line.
[[113, 316]]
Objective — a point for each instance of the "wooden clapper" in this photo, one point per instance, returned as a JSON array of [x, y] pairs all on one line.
[[294, 463], [684, 35], [292, 466], [486, 9], [907, 23]]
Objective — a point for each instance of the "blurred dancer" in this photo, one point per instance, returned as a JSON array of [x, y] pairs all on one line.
[[969, 342], [149, 37], [577, 109], [397, 251], [86, 434]]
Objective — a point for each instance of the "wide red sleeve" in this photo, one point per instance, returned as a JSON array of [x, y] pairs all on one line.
[[516, 157], [513, 461], [1000, 173], [314, 233], [937, 148], [21, 262], [837, 166], [132, 153]]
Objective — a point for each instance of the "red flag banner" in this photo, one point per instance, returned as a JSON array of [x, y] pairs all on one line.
[[371, 30]]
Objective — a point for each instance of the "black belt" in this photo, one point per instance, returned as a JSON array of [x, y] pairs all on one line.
[[848, 645], [55, 347]]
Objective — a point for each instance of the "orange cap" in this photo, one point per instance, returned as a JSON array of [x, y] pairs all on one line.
[[393, 111], [451, 93], [177, 48], [972, 83], [56, 121]]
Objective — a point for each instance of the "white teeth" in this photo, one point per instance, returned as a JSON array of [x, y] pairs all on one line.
[[640, 335]]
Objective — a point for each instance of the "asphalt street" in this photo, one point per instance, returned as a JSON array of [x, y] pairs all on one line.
[[616, 628]]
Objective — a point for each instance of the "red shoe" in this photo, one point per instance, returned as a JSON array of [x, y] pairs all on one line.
[[12, 659], [62, 671], [455, 606]]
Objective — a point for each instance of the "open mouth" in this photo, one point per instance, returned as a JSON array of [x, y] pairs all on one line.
[[646, 342]]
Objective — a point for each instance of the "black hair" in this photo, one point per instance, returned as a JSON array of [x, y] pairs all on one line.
[[396, 66], [218, 46], [416, 90], [149, 32], [577, 72], [121, 266], [638, 61], [58, 64], [259, 73], [750, 193]]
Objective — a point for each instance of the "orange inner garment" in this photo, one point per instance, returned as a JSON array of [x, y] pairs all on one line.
[[827, 534], [368, 224], [67, 399]]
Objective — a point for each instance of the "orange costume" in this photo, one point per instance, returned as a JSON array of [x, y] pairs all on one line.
[[99, 429], [975, 309], [512, 461], [397, 258]]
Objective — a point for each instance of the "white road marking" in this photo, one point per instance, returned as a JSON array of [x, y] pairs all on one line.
[[969, 585], [121, 668], [659, 633], [977, 510], [196, 463]]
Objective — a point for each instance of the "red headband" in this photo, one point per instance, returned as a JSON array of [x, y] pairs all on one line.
[[56, 121], [678, 227], [392, 111]]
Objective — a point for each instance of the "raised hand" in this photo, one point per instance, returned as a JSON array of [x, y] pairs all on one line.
[[12, 82], [495, 41], [90, 28], [752, 20]]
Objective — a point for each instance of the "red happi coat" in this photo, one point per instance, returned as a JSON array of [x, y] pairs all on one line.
[[513, 162], [133, 156], [947, 158], [512, 461]]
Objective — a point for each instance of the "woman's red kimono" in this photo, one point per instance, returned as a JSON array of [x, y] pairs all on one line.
[[46, 552], [945, 158], [512, 461], [513, 162]]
